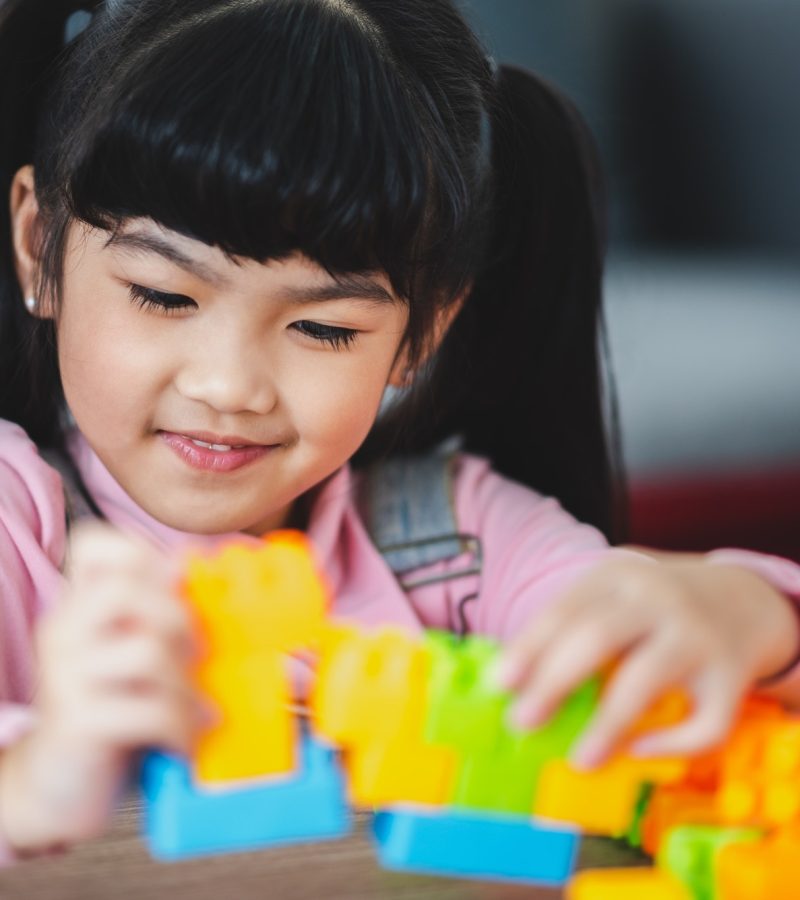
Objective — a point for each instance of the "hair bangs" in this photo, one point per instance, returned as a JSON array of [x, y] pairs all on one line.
[[321, 153]]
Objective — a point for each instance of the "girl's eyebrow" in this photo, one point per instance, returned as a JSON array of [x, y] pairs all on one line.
[[346, 287], [136, 242]]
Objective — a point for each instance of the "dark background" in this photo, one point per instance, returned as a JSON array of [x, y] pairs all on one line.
[[694, 104]]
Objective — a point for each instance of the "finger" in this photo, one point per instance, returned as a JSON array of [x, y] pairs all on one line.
[[138, 661], [717, 695], [642, 677], [522, 654], [96, 549], [139, 721], [569, 660], [119, 603]]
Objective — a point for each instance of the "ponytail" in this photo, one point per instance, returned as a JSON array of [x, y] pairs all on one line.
[[519, 375]]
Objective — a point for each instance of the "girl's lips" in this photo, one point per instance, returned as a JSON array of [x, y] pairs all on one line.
[[208, 460]]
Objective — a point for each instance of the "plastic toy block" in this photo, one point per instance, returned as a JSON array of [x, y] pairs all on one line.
[[251, 606], [669, 709], [671, 806], [504, 777], [633, 833], [181, 820], [475, 846], [704, 772], [256, 734], [370, 687], [625, 884], [249, 600], [466, 709], [600, 801], [690, 853], [397, 772], [760, 778], [767, 870]]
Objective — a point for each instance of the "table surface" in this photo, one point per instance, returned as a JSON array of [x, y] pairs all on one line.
[[119, 867]]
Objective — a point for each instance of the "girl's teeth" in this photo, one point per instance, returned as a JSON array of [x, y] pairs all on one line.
[[220, 447]]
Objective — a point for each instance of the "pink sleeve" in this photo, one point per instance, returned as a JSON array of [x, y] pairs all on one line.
[[532, 549], [783, 575], [32, 541]]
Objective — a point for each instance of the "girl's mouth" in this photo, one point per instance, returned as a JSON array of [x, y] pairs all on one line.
[[213, 457]]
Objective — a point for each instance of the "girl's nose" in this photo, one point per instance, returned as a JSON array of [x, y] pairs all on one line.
[[229, 382]]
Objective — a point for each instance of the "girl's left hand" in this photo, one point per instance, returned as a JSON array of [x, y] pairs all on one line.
[[711, 629]]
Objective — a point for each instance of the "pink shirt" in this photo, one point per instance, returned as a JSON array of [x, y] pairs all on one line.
[[532, 551]]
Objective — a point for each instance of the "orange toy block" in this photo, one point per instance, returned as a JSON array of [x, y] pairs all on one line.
[[767, 870], [251, 607], [760, 781], [705, 771], [370, 688], [626, 884], [669, 709], [671, 806]]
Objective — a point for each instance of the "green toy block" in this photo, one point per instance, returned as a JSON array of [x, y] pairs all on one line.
[[466, 709], [690, 853], [503, 778]]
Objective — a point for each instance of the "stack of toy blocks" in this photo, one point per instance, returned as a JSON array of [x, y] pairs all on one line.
[[729, 829], [255, 778], [415, 729]]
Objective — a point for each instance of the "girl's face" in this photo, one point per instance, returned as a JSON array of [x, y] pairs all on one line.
[[163, 342]]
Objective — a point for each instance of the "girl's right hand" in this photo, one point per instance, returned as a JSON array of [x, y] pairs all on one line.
[[113, 678]]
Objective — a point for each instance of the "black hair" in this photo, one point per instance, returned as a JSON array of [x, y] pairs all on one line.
[[366, 134]]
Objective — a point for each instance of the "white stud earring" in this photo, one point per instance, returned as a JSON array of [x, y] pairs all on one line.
[[31, 304]]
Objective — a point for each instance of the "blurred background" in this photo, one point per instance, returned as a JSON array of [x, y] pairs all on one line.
[[694, 105]]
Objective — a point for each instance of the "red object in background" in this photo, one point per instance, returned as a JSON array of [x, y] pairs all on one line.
[[754, 510]]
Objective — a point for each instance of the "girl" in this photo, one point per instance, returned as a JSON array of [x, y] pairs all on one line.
[[232, 224]]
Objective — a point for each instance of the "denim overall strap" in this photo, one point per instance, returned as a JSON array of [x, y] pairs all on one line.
[[409, 515], [77, 505]]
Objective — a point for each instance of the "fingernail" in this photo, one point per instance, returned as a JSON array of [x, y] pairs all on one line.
[[588, 755], [505, 672], [524, 716]]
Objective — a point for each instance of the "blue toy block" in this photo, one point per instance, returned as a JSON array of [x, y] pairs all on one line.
[[470, 845], [182, 820]]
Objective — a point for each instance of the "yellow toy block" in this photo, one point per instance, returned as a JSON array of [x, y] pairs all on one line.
[[599, 802], [626, 884], [251, 607], [251, 599], [256, 735], [382, 775], [370, 688], [603, 800]]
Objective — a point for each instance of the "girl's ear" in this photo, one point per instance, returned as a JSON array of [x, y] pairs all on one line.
[[403, 374], [25, 236]]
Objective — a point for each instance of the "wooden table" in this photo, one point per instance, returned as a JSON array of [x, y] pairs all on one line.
[[118, 867]]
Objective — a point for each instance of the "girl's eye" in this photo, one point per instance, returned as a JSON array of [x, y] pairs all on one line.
[[338, 338], [146, 298]]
